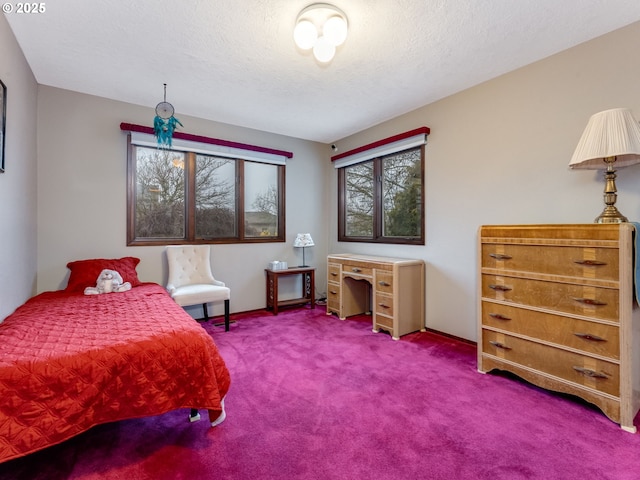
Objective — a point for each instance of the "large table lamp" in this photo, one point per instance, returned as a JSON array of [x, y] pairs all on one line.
[[303, 240], [611, 138]]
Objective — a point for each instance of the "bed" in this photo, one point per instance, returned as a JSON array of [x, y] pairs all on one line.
[[70, 361]]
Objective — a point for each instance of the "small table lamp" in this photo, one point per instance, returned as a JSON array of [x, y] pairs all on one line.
[[611, 137], [303, 240]]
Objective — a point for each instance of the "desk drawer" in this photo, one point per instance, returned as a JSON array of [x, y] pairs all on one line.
[[579, 369], [333, 272], [333, 292], [349, 268], [384, 282], [384, 322], [384, 304]]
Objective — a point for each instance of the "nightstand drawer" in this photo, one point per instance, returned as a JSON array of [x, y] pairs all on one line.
[[594, 302], [589, 372], [589, 337], [584, 262]]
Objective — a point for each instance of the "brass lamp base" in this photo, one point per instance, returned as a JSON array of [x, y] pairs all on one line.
[[610, 214]]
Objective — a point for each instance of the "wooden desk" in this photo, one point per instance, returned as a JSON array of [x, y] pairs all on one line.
[[308, 287], [390, 289]]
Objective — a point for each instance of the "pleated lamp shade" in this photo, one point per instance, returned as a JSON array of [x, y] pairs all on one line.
[[612, 133]]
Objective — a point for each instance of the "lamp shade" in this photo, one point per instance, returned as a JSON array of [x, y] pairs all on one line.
[[303, 240], [611, 133]]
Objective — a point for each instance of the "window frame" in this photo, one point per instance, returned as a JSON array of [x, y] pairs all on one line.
[[378, 203], [190, 207]]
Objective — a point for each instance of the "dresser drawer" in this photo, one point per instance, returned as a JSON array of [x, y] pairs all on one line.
[[384, 282], [594, 302], [384, 304], [589, 372], [585, 262], [589, 337]]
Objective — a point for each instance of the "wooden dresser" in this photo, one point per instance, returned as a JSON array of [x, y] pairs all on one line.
[[396, 286], [557, 308]]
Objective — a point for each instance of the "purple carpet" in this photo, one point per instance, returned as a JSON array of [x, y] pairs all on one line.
[[313, 397]]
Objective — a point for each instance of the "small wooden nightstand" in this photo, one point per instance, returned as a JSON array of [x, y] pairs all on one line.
[[308, 287]]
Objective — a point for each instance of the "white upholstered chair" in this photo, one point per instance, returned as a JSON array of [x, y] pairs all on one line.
[[191, 281]]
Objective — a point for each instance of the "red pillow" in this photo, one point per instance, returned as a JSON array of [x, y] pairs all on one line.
[[84, 273]]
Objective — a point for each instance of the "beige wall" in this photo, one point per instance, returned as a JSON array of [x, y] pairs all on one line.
[[18, 183], [498, 154], [82, 196]]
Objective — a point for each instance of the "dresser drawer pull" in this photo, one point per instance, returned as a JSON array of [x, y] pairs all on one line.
[[383, 305], [499, 345], [382, 283], [499, 316], [500, 288], [334, 274], [588, 336], [356, 270], [589, 373], [333, 292], [589, 301], [590, 263], [500, 256]]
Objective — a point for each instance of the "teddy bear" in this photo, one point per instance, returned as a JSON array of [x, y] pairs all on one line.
[[108, 281]]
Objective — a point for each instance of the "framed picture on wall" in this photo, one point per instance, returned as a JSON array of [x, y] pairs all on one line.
[[3, 119]]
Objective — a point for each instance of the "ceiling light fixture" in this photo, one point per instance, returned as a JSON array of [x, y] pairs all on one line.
[[321, 27]]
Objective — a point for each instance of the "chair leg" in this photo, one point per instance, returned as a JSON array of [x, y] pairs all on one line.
[[206, 312], [226, 315]]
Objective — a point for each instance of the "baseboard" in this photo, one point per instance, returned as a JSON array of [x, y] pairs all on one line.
[[454, 337]]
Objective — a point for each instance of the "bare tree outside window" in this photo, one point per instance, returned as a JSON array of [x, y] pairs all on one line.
[[182, 197], [160, 193], [261, 199], [381, 200], [359, 200], [215, 197], [402, 194]]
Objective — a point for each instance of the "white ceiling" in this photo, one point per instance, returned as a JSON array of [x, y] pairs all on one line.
[[234, 61]]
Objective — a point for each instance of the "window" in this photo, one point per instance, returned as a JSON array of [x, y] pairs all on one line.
[[181, 196], [381, 199]]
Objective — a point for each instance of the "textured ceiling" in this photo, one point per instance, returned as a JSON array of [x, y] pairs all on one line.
[[234, 61]]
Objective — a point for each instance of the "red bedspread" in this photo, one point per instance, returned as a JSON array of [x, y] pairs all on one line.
[[70, 361]]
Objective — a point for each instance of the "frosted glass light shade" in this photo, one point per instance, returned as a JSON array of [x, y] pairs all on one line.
[[612, 133], [321, 27], [324, 50], [305, 34], [335, 30]]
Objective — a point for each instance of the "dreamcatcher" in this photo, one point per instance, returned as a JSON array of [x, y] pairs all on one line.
[[165, 123]]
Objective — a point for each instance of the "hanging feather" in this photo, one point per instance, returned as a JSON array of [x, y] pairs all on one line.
[[164, 128]]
